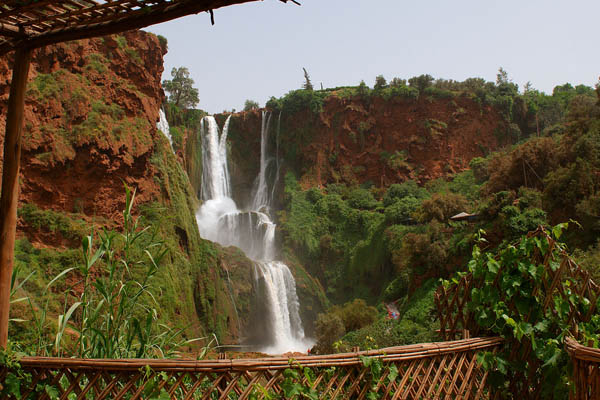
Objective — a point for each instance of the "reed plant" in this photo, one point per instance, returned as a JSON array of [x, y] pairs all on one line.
[[114, 314]]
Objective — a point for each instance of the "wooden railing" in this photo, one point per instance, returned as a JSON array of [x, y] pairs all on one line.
[[586, 370], [424, 371]]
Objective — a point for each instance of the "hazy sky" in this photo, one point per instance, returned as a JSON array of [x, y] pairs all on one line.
[[257, 50]]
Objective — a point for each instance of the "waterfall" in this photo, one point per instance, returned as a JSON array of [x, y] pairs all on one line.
[[277, 327], [163, 126]]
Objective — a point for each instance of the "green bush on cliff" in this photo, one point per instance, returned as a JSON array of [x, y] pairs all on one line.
[[298, 101], [52, 221], [399, 191]]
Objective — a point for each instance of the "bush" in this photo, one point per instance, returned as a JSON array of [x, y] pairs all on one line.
[[355, 314], [421, 82], [328, 328], [401, 210], [362, 199], [518, 223], [399, 191], [397, 288], [440, 207], [479, 167], [338, 320]]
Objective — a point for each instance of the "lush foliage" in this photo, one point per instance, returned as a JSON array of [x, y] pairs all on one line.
[[514, 301], [180, 88], [111, 316]]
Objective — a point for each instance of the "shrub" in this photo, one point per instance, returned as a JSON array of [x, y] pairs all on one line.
[[421, 82], [479, 166], [400, 190], [440, 207], [380, 83], [513, 301], [398, 287], [362, 199], [355, 314], [338, 320], [400, 211], [518, 223], [328, 328]]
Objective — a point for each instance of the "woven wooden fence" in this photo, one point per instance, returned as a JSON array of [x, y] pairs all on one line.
[[586, 370], [445, 370], [455, 317], [457, 320]]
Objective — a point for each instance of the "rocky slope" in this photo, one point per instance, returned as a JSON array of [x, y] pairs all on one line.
[[90, 126], [380, 141]]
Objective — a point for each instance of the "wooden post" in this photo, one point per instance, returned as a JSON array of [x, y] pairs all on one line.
[[10, 182]]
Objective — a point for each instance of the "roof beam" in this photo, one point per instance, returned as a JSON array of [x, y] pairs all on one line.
[[134, 20]]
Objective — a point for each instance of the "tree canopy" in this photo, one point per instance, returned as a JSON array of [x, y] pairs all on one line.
[[181, 91]]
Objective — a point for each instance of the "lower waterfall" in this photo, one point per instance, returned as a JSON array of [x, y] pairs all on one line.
[[276, 327]]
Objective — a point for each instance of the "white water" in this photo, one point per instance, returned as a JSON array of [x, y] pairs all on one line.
[[253, 231], [163, 126]]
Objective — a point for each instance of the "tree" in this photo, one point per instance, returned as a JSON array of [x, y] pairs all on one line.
[[380, 82], [398, 82], [421, 82], [251, 105], [307, 83], [502, 76], [181, 92]]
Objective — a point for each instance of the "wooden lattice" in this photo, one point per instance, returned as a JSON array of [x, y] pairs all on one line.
[[446, 370], [455, 317], [586, 370], [35, 23]]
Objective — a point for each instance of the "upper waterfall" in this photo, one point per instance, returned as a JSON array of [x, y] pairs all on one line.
[[277, 326], [163, 126]]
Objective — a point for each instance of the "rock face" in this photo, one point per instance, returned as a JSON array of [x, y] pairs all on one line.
[[90, 117], [90, 126], [380, 141]]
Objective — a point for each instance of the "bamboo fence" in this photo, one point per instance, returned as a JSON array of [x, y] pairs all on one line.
[[445, 370], [456, 319], [586, 370]]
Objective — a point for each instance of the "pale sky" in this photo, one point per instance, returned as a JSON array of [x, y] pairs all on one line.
[[257, 50]]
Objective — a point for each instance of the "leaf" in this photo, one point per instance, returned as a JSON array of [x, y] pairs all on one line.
[[57, 277], [13, 384], [493, 266], [542, 326], [393, 373]]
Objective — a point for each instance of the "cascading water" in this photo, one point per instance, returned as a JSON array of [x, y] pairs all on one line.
[[277, 324], [163, 126]]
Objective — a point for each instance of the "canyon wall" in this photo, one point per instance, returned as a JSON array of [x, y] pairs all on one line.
[[90, 127]]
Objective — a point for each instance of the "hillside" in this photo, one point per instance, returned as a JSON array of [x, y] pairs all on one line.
[[91, 112], [369, 178]]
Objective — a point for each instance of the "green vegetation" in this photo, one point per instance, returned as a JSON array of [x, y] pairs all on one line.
[[332, 325], [180, 88], [251, 105], [69, 226], [383, 243], [515, 302]]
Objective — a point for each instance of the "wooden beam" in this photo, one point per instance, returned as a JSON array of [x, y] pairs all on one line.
[[127, 21], [10, 182]]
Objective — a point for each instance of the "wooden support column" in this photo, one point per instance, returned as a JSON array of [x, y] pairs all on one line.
[[10, 182]]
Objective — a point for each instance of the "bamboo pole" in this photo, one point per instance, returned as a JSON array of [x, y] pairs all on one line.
[[10, 182]]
